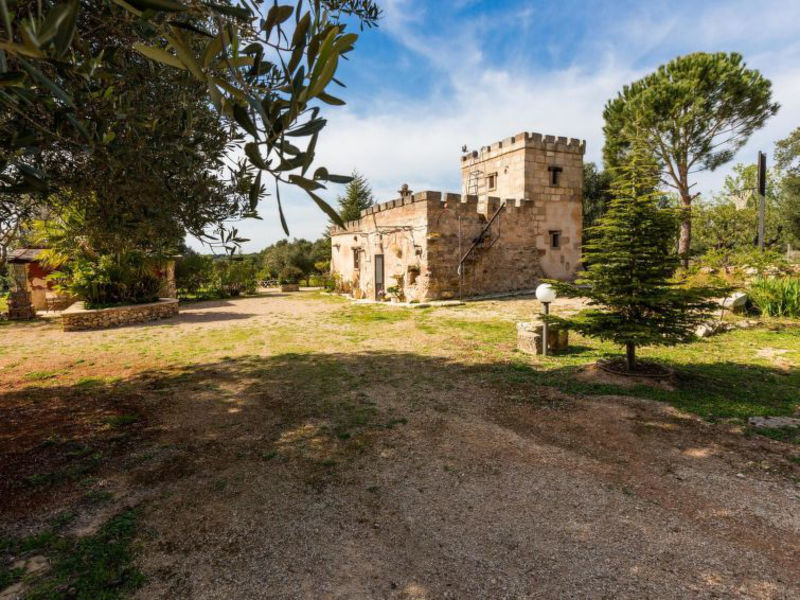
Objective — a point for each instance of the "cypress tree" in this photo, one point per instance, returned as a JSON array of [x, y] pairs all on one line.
[[357, 196], [632, 258]]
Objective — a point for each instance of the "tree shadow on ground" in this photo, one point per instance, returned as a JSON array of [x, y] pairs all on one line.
[[196, 316], [320, 407]]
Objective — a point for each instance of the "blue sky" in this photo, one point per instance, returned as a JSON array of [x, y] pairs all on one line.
[[439, 74]]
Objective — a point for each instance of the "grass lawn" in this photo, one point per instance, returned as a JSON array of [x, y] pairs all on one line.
[[734, 375], [219, 409]]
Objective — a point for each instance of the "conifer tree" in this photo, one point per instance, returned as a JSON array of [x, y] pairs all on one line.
[[691, 114], [632, 258], [357, 196]]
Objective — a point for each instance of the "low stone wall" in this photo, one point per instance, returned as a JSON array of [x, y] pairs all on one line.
[[78, 318]]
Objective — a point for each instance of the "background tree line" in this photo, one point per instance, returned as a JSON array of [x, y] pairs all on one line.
[[285, 261], [725, 225]]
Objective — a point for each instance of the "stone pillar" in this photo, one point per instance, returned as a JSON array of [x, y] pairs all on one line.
[[168, 289], [20, 307], [172, 289]]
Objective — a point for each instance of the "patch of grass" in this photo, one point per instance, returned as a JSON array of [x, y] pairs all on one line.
[[717, 378], [98, 497], [90, 382], [269, 455], [99, 566], [121, 420], [486, 332], [790, 435], [62, 519], [41, 375], [86, 460], [9, 577], [371, 313]]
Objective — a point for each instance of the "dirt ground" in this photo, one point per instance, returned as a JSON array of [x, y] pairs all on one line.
[[311, 461]]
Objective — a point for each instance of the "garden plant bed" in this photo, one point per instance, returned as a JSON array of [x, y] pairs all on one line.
[[78, 318]]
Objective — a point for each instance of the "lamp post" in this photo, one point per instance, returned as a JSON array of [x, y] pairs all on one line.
[[762, 197], [545, 294]]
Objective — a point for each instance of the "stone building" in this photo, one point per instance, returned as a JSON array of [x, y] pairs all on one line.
[[517, 220]]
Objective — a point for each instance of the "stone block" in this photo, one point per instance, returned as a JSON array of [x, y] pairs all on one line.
[[529, 337]]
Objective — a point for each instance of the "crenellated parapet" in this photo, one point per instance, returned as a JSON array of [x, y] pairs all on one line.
[[464, 204], [526, 139]]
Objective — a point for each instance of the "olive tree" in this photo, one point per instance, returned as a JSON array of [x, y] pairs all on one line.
[[267, 70]]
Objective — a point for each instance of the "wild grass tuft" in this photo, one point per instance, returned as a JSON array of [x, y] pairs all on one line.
[[777, 297]]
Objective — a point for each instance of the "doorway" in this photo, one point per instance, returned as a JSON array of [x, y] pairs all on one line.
[[379, 280]]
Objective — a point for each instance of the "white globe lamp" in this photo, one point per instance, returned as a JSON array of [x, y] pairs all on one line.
[[545, 294]]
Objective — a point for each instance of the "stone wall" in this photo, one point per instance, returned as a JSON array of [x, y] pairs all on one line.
[[396, 230], [419, 239], [505, 260], [77, 318]]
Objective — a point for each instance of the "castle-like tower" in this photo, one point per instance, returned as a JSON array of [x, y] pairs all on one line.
[[545, 170], [517, 220]]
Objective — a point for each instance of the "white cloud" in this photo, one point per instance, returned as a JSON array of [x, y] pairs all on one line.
[[416, 138]]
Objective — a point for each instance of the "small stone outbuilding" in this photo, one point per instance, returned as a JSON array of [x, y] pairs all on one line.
[[517, 220], [31, 276]]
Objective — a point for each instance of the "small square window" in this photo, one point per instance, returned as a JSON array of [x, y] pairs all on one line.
[[492, 180], [555, 175], [555, 239], [356, 258]]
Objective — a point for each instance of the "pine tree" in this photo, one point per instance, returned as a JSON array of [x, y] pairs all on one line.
[[691, 114], [357, 196], [632, 258]]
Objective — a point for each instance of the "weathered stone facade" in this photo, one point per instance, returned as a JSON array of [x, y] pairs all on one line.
[[522, 223], [78, 318]]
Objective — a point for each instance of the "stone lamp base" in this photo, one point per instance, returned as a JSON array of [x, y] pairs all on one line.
[[529, 337]]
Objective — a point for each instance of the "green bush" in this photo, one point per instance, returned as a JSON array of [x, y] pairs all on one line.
[[193, 273], [777, 297], [107, 280], [323, 280], [290, 275], [234, 278], [203, 276], [750, 257]]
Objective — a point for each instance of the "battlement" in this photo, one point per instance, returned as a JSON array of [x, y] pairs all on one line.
[[527, 140], [435, 200]]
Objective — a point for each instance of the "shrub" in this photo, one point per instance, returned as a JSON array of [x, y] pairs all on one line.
[[750, 257], [777, 297], [193, 273], [290, 275], [234, 278], [201, 275], [106, 280]]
